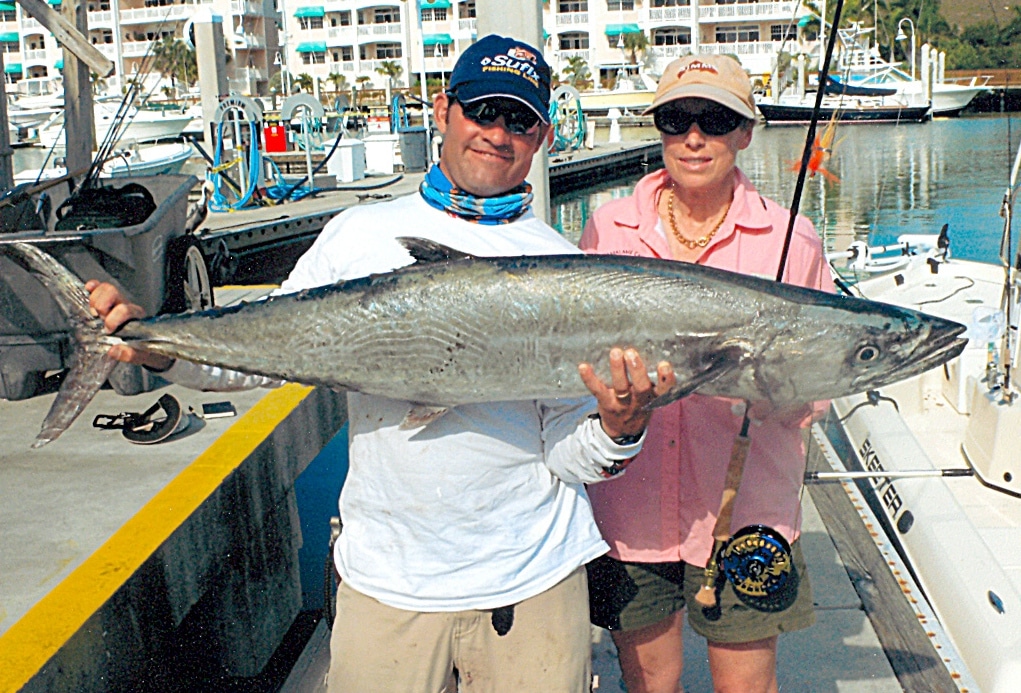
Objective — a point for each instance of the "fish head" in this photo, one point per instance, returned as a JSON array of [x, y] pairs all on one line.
[[843, 346]]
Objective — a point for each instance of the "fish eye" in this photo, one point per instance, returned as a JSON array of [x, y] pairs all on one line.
[[867, 353]]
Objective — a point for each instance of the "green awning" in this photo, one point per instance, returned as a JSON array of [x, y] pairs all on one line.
[[806, 20], [312, 47], [310, 12], [6, 7], [13, 69], [53, 2], [9, 37], [59, 65], [434, 39], [616, 29], [435, 4]]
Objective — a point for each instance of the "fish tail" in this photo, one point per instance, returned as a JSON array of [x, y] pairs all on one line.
[[91, 364]]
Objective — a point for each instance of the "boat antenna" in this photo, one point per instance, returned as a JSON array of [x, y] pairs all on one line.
[[806, 154], [1008, 297]]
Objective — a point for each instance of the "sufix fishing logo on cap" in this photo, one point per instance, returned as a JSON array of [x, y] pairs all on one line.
[[517, 60], [697, 65]]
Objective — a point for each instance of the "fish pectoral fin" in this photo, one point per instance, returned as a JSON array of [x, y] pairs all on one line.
[[723, 363], [422, 415], [424, 250]]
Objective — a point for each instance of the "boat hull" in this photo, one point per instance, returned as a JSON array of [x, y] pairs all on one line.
[[781, 114]]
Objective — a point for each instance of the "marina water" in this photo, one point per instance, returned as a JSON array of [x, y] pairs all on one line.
[[894, 179]]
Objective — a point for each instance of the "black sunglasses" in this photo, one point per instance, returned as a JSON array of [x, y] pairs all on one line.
[[518, 118], [712, 121]]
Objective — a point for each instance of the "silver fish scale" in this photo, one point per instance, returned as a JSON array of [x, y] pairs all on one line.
[[486, 330]]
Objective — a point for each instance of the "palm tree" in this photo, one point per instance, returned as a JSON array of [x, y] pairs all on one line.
[[392, 70], [361, 81], [304, 82], [577, 73], [338, 81], [173, 59], [635, 43]]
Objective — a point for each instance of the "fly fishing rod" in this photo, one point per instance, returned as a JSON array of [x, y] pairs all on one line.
[[757, 560]]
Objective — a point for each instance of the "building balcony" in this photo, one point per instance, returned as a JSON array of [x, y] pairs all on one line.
[[250, 74], [671, 52], [37, 57], [571, 18], [102, 18], [240, 7], [341, 36], [744, 11], [467, 25], [742, 48], [384, 29], [669, 15], [30, 24], [583, 53], [107, 49], [151, 15], [341, 66], [135, 49]]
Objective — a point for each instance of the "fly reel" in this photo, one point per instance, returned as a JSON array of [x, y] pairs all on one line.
[[757, 562]]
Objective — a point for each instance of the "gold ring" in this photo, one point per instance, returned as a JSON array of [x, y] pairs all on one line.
[[623, 397]]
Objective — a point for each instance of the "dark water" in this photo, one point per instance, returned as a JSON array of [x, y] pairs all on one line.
[[894, 179]]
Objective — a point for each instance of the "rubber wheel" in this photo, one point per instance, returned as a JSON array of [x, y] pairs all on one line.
[[18, 386], [188, 287]]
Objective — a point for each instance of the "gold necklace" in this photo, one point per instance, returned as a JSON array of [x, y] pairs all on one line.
[[701, 242]]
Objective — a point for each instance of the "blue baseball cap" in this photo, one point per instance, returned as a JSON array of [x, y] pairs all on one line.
[[502, 66]]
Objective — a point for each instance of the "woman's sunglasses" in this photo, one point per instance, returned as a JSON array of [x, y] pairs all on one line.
[[712, 121], [518, 118]]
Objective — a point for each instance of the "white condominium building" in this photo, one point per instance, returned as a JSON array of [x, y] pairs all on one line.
[[369, 42]]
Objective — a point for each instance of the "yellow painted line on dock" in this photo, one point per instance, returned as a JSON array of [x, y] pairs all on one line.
[[31, 642]]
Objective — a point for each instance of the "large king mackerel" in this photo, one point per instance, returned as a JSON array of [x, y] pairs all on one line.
[[453, 329]]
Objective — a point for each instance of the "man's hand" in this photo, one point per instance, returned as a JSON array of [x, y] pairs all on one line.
[[622, 404], [107, 303]]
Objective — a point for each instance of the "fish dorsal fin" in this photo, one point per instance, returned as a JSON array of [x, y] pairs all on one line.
[[424, 250], [422, 415]]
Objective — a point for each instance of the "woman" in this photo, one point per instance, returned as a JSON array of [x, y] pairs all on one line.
[[660, 516]]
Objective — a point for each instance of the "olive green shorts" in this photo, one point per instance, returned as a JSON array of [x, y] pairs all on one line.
[[628, 596]]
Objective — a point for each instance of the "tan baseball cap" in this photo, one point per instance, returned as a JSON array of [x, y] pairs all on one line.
[[718, 78]]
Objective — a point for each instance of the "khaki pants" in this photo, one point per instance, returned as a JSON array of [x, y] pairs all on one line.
[[379, 649]]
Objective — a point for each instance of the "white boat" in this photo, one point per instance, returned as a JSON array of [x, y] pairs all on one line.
[[141, 125], [154, 160], [947, 445], [860, 64], [631, 95]]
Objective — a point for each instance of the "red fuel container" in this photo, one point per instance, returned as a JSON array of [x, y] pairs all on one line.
[[276, 137]]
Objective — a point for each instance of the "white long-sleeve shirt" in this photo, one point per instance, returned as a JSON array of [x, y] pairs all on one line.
[[485, 506]]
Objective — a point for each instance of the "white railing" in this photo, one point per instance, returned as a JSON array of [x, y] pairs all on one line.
[[583, 53], [754, 10], [156, 14], [382, 29], [668, 51], [100, 17], [107, 49], [568, 18], [341, 33], [741, 48], [38, 56], [669, 14], [135, 49], [341, 66], [241, 7], [30, 24], [249, 73], [466, 24]]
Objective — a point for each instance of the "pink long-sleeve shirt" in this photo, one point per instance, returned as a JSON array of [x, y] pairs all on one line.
[[664, 508]]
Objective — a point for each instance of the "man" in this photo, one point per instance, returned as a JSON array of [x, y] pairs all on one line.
[[465, 541]]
